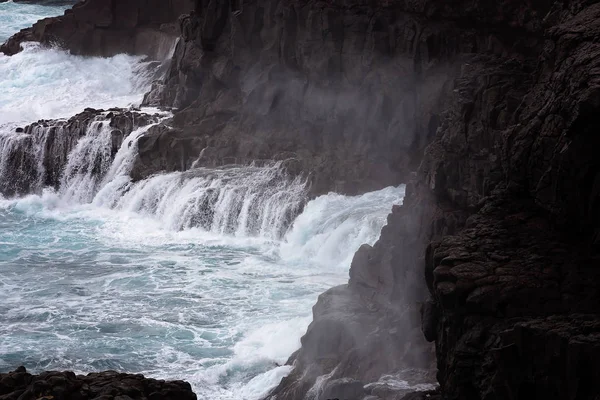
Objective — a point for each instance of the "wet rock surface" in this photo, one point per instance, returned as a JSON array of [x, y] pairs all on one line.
[[371, 326], [350, 90], [106, 28], [514, 253], [501, 219], [108, 385], [35, 156]]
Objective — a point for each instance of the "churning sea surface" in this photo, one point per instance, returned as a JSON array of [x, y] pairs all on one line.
[[119, 277]]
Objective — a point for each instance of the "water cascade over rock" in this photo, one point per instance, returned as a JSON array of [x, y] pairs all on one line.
[[34, 157], [232, 233], [89, 158]]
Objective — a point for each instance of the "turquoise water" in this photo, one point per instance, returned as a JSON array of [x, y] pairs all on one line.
[[88, 288], [41, 83], [16, 16], [111, 274]]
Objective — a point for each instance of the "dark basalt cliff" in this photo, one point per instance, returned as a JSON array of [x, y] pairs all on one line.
[[350, 90], [502, 222], [514, 266], [495, 254]]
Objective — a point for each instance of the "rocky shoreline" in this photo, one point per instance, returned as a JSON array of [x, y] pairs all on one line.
[[488, 110], [105, 28], [55, 139], [109, 385]]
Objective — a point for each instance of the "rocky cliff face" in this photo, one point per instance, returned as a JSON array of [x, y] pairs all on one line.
[[501, 221], [352, 91], [348, 89], [516, 189], [495, 253], [109, 27]]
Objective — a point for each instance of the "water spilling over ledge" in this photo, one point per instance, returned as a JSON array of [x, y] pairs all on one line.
[[88, 159], [209, 272]]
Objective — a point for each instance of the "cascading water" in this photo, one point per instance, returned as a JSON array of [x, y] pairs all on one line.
[[87, 164], [242, 201], [258, 201], [198, 275], [71, 153], [23, 166], [207, 275]]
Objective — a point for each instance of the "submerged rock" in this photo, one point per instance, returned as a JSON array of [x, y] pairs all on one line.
[[21, 385]]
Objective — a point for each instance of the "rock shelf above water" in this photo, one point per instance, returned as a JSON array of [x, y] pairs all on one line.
[[109, 385]]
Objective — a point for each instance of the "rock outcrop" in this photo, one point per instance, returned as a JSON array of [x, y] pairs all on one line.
[[35, 156], [331, 84], [501, 219], [516, 184], [108, 27], [21, 385]]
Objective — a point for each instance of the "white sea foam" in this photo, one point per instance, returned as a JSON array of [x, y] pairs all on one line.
[[219, 310], [16, 16], [40, 83], [333, 227]]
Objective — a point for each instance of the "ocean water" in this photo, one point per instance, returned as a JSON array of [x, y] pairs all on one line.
[[16, 16], [207, 275], [41, 83]]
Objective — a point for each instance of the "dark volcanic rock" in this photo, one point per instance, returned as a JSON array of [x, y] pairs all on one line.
[[422, 396], [502, 220], [106, 28], [495, 254], [105, 385], [350, 91], [35, 156], [516, 217], [342, 389], [371, 326]]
